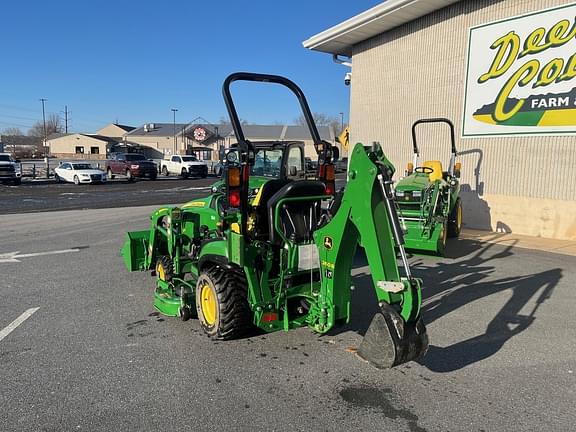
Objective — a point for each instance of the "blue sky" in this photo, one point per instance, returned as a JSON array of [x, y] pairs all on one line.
[[132, 62]]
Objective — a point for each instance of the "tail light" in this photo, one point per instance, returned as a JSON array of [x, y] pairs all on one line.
[[328, 176], [233, 186], [457, 168]]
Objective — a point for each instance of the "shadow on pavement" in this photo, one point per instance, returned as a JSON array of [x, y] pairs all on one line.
[[452, 284]]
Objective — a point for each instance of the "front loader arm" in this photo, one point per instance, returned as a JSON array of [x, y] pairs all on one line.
[[364, 219]]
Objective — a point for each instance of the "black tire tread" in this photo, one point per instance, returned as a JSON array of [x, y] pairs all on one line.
[[235, 318], [453, 228]]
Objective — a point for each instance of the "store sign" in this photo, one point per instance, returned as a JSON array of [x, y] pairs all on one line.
[[521, 75], [200, 134]]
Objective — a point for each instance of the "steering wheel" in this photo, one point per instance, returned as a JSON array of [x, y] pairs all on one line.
[[424, 170]]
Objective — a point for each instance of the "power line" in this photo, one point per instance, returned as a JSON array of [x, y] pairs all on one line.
[[15, 124], [18, 117]]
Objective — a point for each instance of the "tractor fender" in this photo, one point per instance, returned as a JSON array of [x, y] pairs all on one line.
[[214, 251]]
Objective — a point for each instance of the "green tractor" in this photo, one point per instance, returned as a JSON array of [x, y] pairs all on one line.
[[273, 250], [429, 205]]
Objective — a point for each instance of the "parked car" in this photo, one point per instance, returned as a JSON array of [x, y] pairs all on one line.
[[131, 165], [311, 165], [185, 166], [10, 169], [79, 172], [341, 165]]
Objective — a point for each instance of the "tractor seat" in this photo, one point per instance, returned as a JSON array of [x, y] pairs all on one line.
[[436, 174], [268, 190], [298, 219]]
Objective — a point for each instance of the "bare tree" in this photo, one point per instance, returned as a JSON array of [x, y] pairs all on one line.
[[226, 121], [53, 125], [12, 131], [321, 119]]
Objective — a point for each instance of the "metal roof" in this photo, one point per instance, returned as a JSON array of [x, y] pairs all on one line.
[[390, 14], [160, 129], [251, 131], [302, 133]]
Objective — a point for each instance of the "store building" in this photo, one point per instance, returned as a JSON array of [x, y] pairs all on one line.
[[504, 71], [207, 140]]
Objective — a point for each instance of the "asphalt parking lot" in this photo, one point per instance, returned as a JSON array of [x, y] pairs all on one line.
[[42, 195], [95, 355]]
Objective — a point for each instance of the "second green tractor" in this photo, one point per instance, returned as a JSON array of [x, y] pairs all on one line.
[[428, 198]]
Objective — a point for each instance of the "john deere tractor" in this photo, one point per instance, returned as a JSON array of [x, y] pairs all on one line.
[[428, 199], [273, 250]]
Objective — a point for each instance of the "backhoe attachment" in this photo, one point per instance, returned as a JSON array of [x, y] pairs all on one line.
[[391, 341], [366, 216]]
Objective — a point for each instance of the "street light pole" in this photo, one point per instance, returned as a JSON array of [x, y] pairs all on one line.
[[45, 138], [175, 145]]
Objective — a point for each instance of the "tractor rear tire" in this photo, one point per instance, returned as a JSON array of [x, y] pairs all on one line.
[[455, 220], [222, 303]]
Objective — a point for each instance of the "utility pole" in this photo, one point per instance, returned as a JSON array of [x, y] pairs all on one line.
[[175, 145], [66, 118], [45, 137]]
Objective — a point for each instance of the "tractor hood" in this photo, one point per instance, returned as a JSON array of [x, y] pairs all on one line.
[[413, 182]]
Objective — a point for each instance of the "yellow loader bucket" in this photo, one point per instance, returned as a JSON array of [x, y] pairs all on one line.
[[134, 250]]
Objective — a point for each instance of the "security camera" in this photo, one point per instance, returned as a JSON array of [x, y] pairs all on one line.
[[348, 78]]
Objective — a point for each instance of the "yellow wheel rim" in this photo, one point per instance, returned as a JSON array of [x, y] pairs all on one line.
[[160, 272], [459, 217], [208, 304]]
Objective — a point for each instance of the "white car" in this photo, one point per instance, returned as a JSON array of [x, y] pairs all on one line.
[[79, 172]]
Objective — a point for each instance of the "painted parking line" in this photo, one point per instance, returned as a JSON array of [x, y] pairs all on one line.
[[14, 324], [15, 257]]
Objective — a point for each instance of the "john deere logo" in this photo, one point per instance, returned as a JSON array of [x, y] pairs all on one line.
[[328, 242]]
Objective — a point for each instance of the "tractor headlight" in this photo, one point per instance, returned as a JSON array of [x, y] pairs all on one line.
[[400, 193], [417, 194]]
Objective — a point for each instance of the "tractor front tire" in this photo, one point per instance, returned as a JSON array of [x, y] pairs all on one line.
[[164, 269], [455, 220], [222, 303]]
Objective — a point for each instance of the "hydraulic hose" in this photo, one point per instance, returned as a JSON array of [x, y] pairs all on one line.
[[385, 181]]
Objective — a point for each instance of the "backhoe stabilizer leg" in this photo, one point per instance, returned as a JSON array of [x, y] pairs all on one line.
[[390, 341]]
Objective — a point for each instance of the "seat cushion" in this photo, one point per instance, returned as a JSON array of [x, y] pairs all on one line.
[[436, 166]]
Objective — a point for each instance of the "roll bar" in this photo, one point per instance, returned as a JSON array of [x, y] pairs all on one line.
[[452, 140], [276, 79]]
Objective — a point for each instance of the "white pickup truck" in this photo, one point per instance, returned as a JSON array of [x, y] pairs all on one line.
[[10, 169], [185, 166]]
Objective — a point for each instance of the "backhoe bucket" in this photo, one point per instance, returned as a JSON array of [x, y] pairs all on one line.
[[134, 250], [390, 341]]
